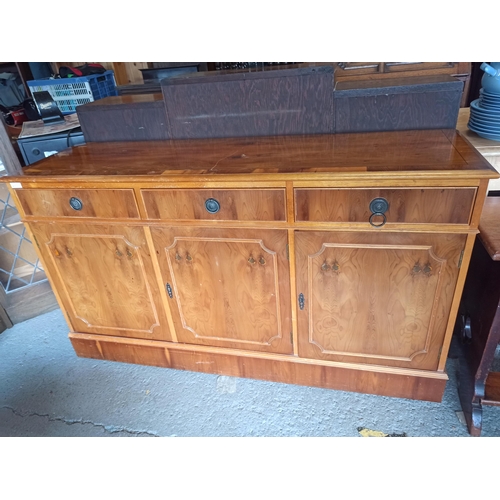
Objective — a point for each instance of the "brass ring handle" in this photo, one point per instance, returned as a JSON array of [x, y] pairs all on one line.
[[381, 215]]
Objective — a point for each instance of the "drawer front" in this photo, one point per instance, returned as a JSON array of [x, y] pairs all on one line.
[[99, 203], [215, 204], [410, 206]]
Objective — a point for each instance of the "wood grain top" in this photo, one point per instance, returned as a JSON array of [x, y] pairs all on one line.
[[401, 154], [489, 226]]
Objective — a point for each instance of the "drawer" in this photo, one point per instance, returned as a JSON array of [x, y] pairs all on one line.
[[215, 204], [101, 203], [411, 206]]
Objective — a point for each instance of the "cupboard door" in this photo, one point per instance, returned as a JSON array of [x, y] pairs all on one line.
[[375, 298], [227, 288], [104, 277]]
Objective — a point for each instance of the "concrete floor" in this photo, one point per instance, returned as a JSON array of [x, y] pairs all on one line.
[[46, 390]]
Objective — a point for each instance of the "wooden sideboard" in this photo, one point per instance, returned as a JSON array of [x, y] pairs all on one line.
[[335, 261]]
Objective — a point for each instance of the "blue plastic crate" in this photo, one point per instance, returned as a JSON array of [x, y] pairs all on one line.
[[68, 93]]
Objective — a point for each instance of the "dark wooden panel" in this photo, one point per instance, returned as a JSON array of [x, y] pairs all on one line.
[[397, 104], [124, 118], [418, 206], [280, 102], [480, 300], [235, 204], [492, 389], [287, 370]]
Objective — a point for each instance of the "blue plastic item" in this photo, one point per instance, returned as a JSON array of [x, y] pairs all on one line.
[[491, 78], [69, 93]]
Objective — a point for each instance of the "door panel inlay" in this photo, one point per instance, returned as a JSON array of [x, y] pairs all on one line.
[[226, 289], [105, 281], [376, 301]]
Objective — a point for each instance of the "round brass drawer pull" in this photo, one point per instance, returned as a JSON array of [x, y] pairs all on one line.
[[379, 206], [212, 205], [75, 203]]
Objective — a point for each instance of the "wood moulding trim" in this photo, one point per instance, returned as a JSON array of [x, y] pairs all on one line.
[[293, 291], [478, 203], [297, 182], [49, 275], [300, 225], [261, 355], [338, 176], [161, 286], [387, 228]]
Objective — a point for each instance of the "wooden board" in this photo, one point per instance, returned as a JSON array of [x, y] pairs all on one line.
[[253, 103], [410, 103], [286, 369], [124, 118]]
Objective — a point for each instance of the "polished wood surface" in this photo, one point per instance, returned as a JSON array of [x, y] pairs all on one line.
[[229, 288], [425, 206], [489, 227], [161, 281], [372, 298], [105, 278], [401, 154], [99, 203], [421, 385], [235, 204]]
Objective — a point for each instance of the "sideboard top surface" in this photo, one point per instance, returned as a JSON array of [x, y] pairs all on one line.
[[411, 153]]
